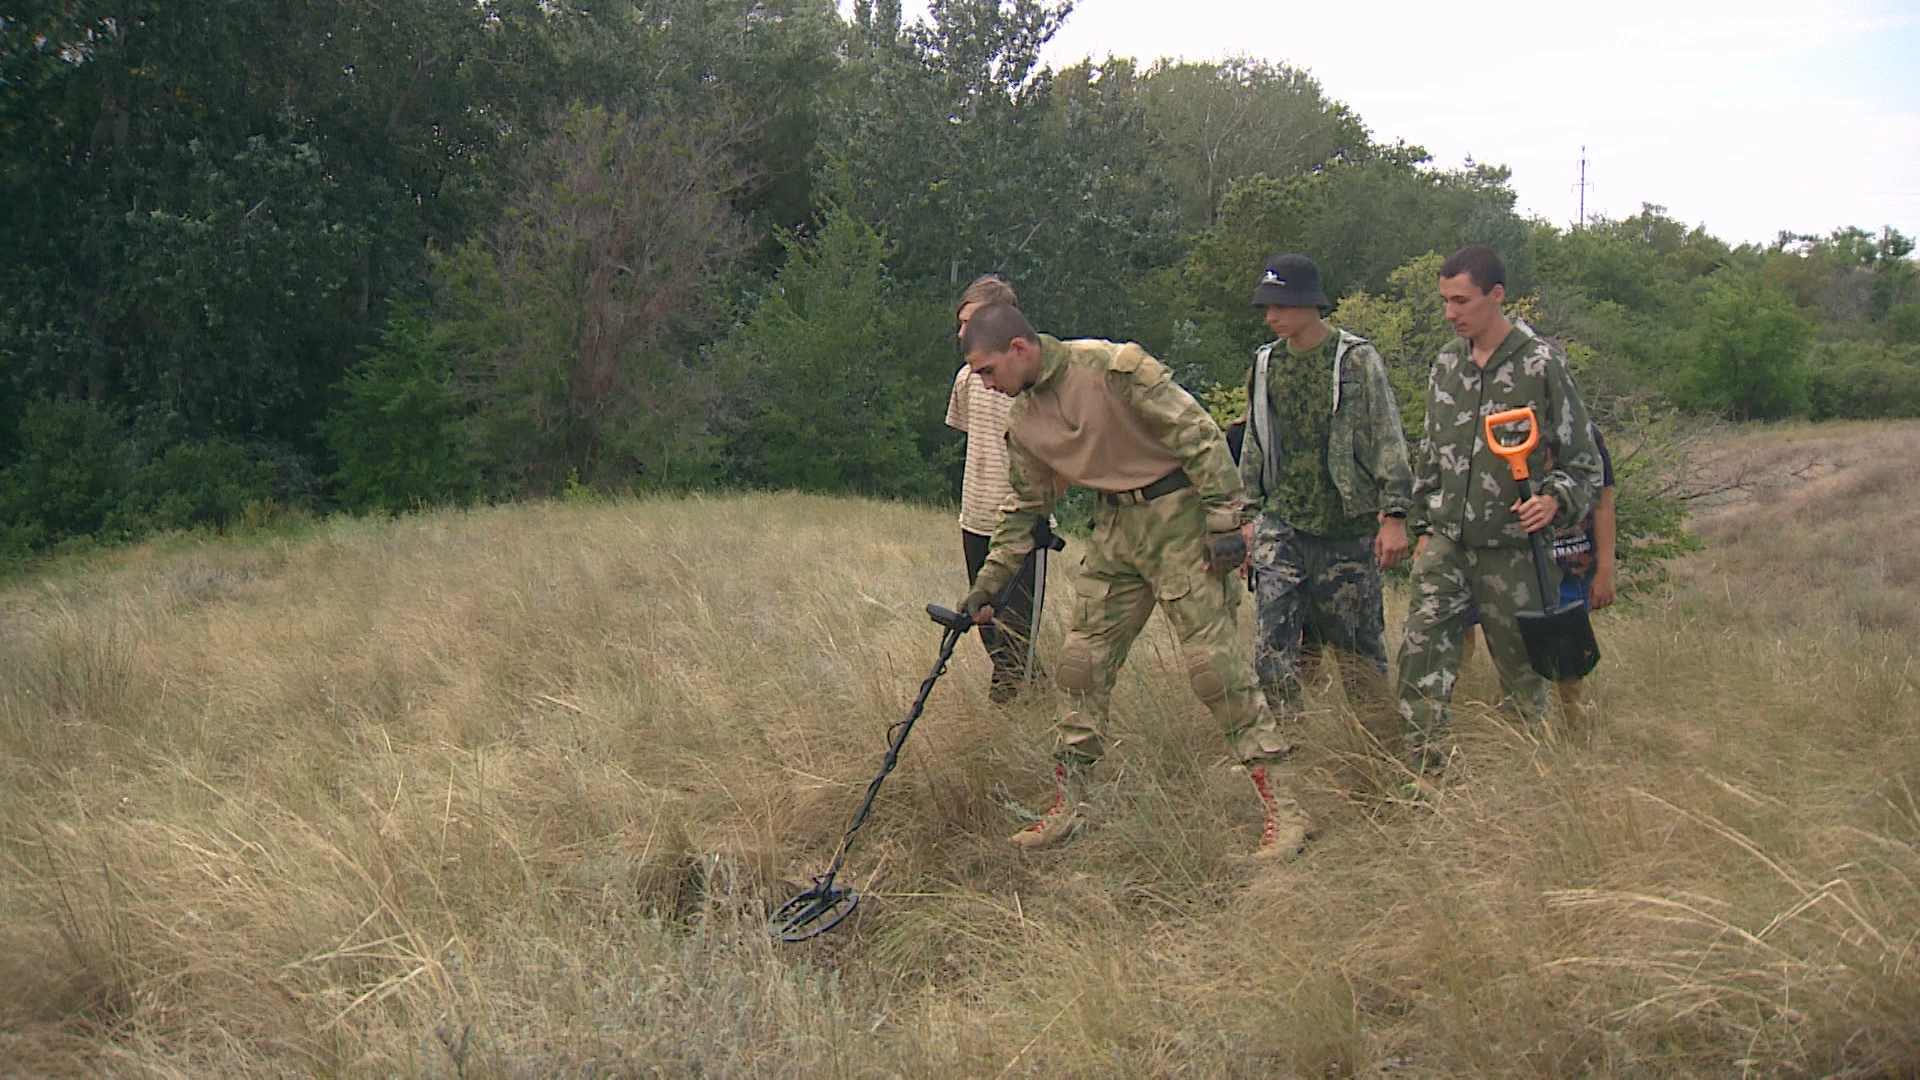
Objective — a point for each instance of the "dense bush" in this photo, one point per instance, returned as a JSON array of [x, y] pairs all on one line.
[[76, 475], [1747, 351], [197, 483], [1863, 380], [72, 471]]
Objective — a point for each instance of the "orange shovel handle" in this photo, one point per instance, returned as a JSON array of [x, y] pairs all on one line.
[[1516, 454]]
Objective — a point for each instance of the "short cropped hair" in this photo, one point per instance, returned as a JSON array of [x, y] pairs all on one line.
[[1478, 261], [993, 328], [986, 289]]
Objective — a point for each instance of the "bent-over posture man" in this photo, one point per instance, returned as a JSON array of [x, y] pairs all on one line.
[[1472, 523], [1325, 461], [1110, 417], [982, 414]]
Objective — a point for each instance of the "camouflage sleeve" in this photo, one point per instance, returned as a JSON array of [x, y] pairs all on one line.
[[1425, 467], [1184, 427], [1390, 467], [1577, 473], [1034, 493]]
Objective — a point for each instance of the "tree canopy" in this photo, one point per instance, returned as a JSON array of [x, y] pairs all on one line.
[[374, 256]]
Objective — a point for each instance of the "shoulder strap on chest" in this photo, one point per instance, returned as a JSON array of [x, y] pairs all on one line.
[[1346, 341]]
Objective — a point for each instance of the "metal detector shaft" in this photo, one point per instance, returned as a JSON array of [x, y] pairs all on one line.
[[947, 642], [823, 906]]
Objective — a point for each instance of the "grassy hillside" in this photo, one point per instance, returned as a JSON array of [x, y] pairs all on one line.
[[508, 793]]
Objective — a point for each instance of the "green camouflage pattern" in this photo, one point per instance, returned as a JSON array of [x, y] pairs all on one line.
[[1312, 590], [1449, 579], [1302, 491], [1465, 492], [1181, 424], [1351, 401], [1138, 556]]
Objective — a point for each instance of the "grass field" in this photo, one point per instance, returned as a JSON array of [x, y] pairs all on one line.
[[509, 792]]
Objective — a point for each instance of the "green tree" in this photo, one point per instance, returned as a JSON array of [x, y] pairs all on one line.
[[1748, 351], [570, 318], [210, 483], [1219, 122], [842, 395], [1358, 221], [399, 429], [954, 141]]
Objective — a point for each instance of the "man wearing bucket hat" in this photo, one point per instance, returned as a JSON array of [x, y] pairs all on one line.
[[1474, 528], [1325, 461]]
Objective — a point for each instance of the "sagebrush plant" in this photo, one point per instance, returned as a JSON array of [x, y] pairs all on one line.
[[510, 791]]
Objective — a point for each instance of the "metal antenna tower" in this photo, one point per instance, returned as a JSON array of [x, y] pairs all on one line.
[[1583, 187]]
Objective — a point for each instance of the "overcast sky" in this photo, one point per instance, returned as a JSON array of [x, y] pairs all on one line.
[[1748, 117]]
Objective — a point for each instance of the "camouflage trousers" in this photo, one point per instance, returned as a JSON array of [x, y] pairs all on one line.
[[1449, 580], [1314, 591], [1138, 556]]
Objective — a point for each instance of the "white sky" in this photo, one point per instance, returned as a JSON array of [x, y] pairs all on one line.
[[1747, 116]]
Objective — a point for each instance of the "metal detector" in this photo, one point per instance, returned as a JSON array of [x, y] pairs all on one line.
[[825, 905], [1559, 637]]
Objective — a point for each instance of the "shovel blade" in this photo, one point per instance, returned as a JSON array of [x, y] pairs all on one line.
[[813, 912], [1559, 641]]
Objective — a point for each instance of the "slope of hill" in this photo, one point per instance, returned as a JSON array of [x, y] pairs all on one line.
[[507, 793]]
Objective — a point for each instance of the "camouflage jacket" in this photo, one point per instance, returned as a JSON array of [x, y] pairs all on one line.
[[1464, 491], [1366, 448], [1109, 417]]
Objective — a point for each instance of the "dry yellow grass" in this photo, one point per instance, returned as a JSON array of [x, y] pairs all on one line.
[[507, 793]]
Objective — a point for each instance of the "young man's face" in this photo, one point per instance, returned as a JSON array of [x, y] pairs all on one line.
[[1289, 322], [1008, 372], [966, 312], [1471, 311]]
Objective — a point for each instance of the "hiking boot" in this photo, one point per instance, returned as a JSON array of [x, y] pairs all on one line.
[[1287, 828], [1060, 820]]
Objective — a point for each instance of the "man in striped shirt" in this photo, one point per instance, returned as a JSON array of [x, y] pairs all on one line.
[[982, 414]]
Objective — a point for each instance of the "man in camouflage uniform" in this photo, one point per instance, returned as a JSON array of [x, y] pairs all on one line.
[[1473, 526], [1332, 485], [1110, 418]]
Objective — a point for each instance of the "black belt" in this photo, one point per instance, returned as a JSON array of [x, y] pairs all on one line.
[[1166, 485]]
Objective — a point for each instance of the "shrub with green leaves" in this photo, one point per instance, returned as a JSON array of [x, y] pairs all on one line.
[[194, 484], [72, 472], [1747, 348], [1863, 380]]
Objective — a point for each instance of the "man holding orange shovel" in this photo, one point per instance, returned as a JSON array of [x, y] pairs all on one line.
[[1474, 525]]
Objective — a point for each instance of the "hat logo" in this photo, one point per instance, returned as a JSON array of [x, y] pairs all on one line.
[[1272, 278]]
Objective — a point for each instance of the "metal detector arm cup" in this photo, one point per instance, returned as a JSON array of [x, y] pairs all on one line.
[[958, 620], [1516, 454], [949, 618]]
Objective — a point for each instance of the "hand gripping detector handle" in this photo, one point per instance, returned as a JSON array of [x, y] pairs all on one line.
[[1044, 538]]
